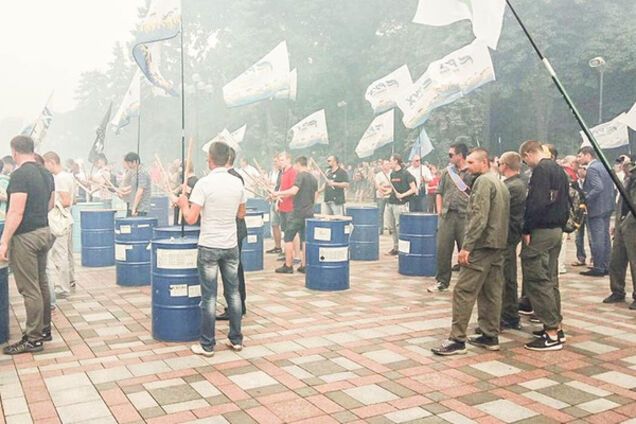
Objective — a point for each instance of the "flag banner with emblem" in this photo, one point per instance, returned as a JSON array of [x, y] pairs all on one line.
[[383, 93], [486, 16], [37, 131], [422, 146], [609, 135], [629, 118], [224, 137], [378, 134], [129, 107], [290, 92], [162, 23], [310, 131], [445, 81], [261, 81], [239, 135], [98, 144]]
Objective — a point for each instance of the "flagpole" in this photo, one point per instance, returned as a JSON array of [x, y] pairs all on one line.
[[577, 115], [138, 137], [182, 117], [45, 106]]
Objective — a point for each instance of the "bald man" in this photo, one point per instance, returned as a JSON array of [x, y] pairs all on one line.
[[481, 260]]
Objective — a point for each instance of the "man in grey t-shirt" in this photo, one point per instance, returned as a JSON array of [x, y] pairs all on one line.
[[136, 188]]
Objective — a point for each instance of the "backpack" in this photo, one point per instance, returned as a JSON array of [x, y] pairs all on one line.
[[577, 210]]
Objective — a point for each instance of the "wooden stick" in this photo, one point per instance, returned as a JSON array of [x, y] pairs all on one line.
[[164, 174]]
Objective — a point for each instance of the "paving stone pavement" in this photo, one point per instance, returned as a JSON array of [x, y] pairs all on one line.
[[362, 355]]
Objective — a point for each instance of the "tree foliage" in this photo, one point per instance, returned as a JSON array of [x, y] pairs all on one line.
[[339, 48]]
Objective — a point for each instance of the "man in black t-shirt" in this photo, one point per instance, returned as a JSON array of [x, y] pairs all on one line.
[[26, 240], [402, 188], [304, 192], [241, 233], [337, 182]]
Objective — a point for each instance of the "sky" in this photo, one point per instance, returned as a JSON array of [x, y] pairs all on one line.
[[46, 44]]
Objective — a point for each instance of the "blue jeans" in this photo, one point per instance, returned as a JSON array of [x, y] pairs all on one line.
[[600, 243], [209, 262], [579, 241]]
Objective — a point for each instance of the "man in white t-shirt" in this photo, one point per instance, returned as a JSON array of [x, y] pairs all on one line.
[[422, 177], [218, 198], [382, 181], [58, 264]]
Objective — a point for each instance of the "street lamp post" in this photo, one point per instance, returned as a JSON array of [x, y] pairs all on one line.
[[343, 104], [599, 64]]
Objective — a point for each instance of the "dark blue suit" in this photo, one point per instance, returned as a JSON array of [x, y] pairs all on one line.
[[600, 198]]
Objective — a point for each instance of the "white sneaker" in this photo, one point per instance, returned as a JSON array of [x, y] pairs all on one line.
[[197, 349], [234, 347]]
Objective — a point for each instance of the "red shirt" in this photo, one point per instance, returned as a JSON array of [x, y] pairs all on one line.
[[431, 187], [287, 181]]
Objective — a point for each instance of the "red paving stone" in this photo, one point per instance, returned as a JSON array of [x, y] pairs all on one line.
[[339, 328]]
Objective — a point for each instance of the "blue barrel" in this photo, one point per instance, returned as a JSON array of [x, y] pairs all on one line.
[[77, 226], [262, 205], [174, 231], [327, 254], [120, 206], [4, 297], [252, 249], [365, 239], [160, 209], [176, 292], [132, 250], [98, 237], [417, 244]]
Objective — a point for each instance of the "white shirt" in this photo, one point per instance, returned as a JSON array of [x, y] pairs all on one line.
[[219, 194], [64, 183], [382, 180], [426, 174]]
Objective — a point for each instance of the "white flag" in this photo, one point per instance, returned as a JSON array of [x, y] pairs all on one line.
[[224, 137], [129, 107], [383, 93], [378, 134], [609, 135], [239, 135], [629, 118], [261, 81], [311, 130], [445, 81], [486, 16], [290, 92], [422, 146]]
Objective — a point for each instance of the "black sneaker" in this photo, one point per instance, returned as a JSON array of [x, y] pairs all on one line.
[[450, 347], [23, 346], [534, 319], [301, 269], [488, 343], [525, 309], [509, 325], [274, 250], [560, 334], [392, 252], [285, 270], [545, 343], [46, 337], [438, 287], [614, 298], [632, 305]]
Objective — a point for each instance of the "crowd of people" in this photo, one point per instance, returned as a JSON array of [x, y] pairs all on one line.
[[488, 208]]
